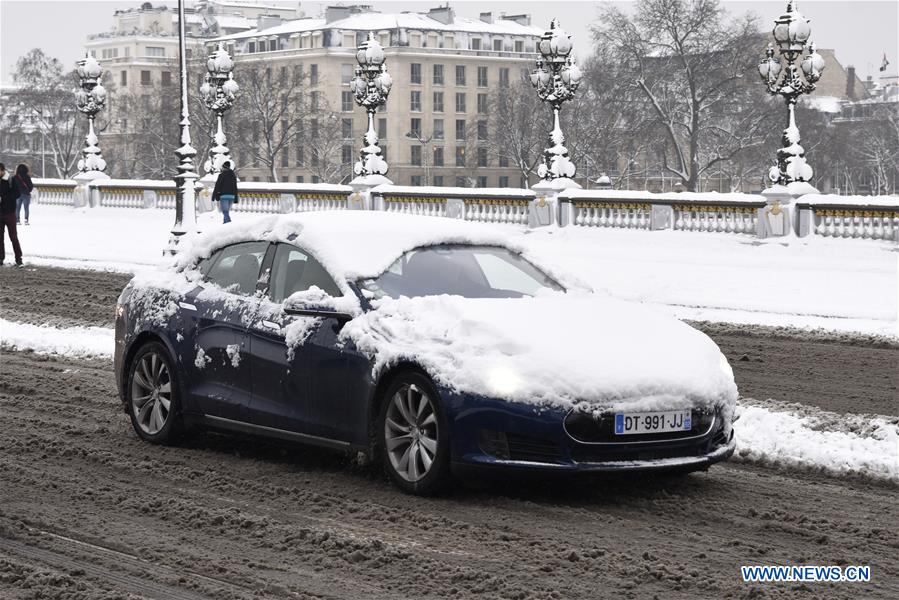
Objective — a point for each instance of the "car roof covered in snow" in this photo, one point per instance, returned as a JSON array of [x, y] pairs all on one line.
[[350, 244]]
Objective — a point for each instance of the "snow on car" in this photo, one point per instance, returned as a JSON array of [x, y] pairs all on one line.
[[427, 343]]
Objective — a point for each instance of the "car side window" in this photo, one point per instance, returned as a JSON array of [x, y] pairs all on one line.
[[294, 270], [235, 268]]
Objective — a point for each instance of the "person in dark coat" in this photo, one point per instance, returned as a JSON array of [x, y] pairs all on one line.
[[9, 193], [225, 191], [23, 181]]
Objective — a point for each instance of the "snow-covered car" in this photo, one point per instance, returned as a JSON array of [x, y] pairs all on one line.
[[427, 343]]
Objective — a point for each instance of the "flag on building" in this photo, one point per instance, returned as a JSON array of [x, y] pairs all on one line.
[[885, 63]]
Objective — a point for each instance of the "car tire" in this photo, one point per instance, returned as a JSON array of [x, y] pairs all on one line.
[[152, 395], [413, 435]]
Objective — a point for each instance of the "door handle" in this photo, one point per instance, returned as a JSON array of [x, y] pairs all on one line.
[[270, 325], [187, 306]]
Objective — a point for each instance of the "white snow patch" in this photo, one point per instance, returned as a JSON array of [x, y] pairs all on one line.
[[201, 360], [297, 332], [67, 341], [841, 444], [233, 352]]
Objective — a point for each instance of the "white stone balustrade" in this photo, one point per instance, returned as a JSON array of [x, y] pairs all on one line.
[[832, 216], [53, 192]]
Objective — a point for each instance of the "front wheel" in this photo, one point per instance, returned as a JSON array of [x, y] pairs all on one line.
[[153, 400], [414, 437]]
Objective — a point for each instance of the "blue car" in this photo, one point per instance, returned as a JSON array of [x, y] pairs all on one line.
[[425, 343]]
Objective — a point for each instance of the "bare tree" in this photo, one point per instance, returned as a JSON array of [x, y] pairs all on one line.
[[519, 126], [45, 97], [322, 141], [685, 63]]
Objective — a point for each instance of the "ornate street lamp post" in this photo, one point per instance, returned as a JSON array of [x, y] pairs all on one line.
[[90, 99], [218, 92], [556, 78], [791, 32], [371, 87], [185, 197]]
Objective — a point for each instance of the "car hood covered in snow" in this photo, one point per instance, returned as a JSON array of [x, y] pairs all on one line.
[[553, 350]]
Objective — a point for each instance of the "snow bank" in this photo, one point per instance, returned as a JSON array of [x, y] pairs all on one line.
[[838, 200], [841, 444], [67, 341], [555, 349]]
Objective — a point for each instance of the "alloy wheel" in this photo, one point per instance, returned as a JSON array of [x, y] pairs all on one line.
[[151, 393], [411, 432]]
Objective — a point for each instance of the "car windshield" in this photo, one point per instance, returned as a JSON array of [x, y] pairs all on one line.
[[468, 271]]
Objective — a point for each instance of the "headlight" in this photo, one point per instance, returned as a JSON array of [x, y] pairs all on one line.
[[119, 310], [503, 381]]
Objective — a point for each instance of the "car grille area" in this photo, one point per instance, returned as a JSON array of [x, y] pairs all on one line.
[[588, 428], [512, 446]]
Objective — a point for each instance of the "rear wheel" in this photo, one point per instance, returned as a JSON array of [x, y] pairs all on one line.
[[414, 437], [154, 404]]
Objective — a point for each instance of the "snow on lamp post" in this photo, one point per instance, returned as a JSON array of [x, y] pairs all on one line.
[[185, 195], [218, 91], [370, 87], [90, 99], [791, 32], [556, 78]]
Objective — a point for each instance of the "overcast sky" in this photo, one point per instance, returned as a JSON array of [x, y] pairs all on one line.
[[859, 30]]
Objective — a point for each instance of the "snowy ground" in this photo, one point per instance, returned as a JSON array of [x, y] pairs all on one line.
[[841, 285]]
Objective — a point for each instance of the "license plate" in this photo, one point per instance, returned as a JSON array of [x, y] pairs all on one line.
[[652, 422]]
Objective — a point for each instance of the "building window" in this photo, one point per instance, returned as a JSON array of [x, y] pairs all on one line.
[[482, 181], [519, 47], [438, 74], [346, 101], [503, 160], [315, 100], [482, 157], [346, 128], [384, 152], [475, 43], [461, 181], [300, 159], [460, 129], [460, 102], [504, 181], [438, 156], [285, 158], [123, 81], [316, 179], [300, 179], [415, 127], [313, 74], [272, 45], [155, 51], [167, 78], [438, 129], [482, 131], [504, 77], [460, 156], [415, 180], [251, 47], [256, 179], [460, 74], [482, 76], [346, 155], [415, 73], [382, 128], [145, 78], [438, 101], [415, 101], [438, 180], [416, 156], [497, 45], [482, 104], [346, 74]]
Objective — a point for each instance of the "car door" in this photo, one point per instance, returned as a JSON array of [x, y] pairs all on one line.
[[299, 379], [217, 314]]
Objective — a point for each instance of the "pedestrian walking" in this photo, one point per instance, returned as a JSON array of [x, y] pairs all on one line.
[[9, 193], [23, 182], [225, 191]]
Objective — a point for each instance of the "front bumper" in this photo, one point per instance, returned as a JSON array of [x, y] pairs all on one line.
[[496, 433]]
